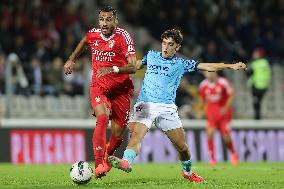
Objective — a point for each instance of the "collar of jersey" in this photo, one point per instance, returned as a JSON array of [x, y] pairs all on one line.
[[168, 58]]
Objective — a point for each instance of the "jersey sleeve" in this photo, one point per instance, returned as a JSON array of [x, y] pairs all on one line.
[[89, 33], [190, 65], [128, 48], [87, 36]]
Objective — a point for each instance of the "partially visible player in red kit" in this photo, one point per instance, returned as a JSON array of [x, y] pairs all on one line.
[[113, 59], [217, 96]]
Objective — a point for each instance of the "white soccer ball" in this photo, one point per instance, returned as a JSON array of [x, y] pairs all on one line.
[[81, 172]]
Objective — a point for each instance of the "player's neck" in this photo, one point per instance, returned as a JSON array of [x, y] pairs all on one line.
[[214, 81], [169, 57], [107, 36]]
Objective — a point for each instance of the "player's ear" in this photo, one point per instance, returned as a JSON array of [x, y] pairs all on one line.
[[178, 47], [116, 21]]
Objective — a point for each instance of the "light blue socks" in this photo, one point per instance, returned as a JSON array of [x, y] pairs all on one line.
[[129, 155]]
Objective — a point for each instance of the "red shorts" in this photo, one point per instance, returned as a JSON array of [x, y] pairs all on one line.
[[221, 122], [118, 103]]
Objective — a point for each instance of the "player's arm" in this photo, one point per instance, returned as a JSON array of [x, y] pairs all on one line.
[[220, 66], [129, 68], [69, 65], [128, 50], [201, 108], [139, 65], [231, 94]]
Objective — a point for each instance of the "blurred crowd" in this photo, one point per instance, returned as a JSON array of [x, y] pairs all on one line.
[[215, 30], [43, 34]]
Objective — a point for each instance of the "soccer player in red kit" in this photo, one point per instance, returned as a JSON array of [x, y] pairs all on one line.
[[113, 59], [217, 95]]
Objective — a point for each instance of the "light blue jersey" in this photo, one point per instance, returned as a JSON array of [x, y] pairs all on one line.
[[162, 77]]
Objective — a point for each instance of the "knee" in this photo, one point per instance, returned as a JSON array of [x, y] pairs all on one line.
[[135, 138], [135, 135]]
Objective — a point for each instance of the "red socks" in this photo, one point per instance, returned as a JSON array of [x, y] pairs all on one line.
[[113, 144], [211, 149], [99, 138]]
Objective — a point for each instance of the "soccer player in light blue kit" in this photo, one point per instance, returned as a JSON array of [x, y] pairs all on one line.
[[156, 101]]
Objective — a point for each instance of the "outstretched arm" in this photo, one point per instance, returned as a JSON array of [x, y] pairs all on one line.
[[220, 66], [69, 65], [129, 68]]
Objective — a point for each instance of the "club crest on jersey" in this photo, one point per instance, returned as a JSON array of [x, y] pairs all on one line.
[[98, 99], [110, 43]]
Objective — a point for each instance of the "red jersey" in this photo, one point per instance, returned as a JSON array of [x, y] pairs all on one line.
[[216, 95], [108, 52]]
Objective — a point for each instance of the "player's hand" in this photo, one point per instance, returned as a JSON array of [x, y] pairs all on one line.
[[104, 71], [239, 66], [68, 67]]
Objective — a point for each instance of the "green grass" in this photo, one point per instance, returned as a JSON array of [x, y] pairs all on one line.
[[246, 175]]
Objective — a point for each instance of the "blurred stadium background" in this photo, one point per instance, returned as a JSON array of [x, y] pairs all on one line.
[[46, 116]]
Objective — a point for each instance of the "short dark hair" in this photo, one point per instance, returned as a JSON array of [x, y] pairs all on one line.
[[173, 33], [109, 9]]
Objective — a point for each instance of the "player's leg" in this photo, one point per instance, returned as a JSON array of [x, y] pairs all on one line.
[[170, 123], [115, 140], [226, 135], [137, 133], [120, 110], [210, 130], [140, 123], [101, 107], [120, 113], [177, 137], [99, 134], [99, 138]]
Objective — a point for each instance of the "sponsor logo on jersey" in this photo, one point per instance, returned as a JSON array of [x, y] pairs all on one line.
[[160, 70], [213, 97], [103, 55]]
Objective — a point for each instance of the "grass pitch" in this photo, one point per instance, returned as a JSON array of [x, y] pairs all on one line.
[[166, 176]]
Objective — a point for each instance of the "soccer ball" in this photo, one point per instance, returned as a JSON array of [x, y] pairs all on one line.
[[81, 172]]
